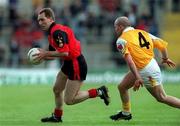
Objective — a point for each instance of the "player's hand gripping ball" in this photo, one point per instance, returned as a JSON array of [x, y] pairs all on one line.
[[31, 58]]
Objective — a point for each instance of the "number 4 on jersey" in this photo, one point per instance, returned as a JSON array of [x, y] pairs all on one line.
[[142, 41]]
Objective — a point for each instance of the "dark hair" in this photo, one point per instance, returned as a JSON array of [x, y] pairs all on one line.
[[48, 13]]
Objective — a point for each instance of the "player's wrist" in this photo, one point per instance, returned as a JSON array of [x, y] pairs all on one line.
[[47, 54], [138, 77], [164, 58]]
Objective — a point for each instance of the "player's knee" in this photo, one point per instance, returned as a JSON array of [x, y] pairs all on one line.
[[120, 88], [161, 98], [68, 101]]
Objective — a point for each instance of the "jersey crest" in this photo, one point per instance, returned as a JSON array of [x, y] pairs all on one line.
[[121, 45], [59, 41], [60, 38]]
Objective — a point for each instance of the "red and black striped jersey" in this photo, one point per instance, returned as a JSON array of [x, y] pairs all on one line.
[[62, 39]]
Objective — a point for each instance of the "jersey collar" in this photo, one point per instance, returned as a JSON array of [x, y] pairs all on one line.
[[49, 30], [128, 29]]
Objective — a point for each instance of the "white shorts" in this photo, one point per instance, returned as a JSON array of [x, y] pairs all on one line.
[[151, 74]]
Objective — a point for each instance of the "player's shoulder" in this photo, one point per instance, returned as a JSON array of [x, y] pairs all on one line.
[[145, 33], [151, 36], [121, 44], [61, 28], [121, 41], [140, 30]]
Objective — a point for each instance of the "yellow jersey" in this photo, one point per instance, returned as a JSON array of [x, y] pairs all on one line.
[[139, 44]]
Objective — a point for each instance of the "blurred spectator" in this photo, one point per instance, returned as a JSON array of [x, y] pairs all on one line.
[[85, 3], [37, 36], [22, 34], [176, 5], [2, 55], [132, 17], [26, 34], [47, 3], [110, 5], [75, 8], [141, 24], [100, 22], [134, 6], [13, 13], [161, 4], [90, 21], [37, 5], [1, 20], [81, 27], [64, 17], [25, 37], [14, 59], [153, 27], [152, 7]]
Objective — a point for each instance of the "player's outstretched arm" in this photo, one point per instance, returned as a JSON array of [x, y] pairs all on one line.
[[49, 54], [166, 60], [169, 62]]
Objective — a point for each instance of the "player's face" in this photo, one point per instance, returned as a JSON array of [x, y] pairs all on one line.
[[118, 29], [44, 22]]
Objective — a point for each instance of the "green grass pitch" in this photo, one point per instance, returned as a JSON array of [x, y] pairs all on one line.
[[24, 105]]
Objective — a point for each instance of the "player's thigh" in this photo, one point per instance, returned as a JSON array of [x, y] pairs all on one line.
[[61, 81], [128, 81], [157, 91], [72, 89]]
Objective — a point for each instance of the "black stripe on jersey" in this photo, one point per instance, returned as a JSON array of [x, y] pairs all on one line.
[[51, 48]]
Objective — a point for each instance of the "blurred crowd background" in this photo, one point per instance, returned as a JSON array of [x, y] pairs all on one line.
[[92, 22]]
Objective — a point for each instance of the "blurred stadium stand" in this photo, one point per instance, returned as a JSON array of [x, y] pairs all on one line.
[[92, 22], [171, 32]]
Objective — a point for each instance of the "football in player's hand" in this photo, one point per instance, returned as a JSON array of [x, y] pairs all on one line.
[[31, 56]]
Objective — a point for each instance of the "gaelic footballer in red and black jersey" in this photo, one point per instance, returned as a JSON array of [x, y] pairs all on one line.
[[62, 39]]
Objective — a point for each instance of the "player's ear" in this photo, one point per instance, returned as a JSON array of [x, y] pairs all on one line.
[[121, 27], [51, 19]]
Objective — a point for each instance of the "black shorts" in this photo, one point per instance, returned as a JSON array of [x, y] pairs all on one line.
[[75, 69]]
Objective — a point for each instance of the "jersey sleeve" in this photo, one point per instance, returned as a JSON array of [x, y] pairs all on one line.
[[158, 43], [60, 39], [121, 45]]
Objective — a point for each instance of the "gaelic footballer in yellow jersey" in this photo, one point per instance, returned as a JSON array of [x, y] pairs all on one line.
[[137, 46], [140, 44]]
